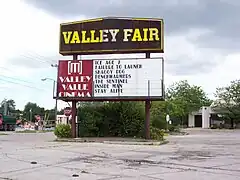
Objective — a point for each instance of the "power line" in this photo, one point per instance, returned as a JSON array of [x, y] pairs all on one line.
[[13, 78], [30, 57], [1, 67], [41, 56], [17, 79], [35, 59], [22, 84]]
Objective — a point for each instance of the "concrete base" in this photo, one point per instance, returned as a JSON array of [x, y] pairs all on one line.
[[126, 141]]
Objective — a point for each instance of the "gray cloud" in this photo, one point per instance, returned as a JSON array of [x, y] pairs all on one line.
[[218, 16], [30, 61], [188, 65]]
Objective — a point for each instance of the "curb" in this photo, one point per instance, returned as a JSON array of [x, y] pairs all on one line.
[[178, 134], [153, 143], [73, 140], [136, 143]]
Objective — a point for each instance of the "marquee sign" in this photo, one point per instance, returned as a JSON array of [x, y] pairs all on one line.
[[110, 79], [111, 35]]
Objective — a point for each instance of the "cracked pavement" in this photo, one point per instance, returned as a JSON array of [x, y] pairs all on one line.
[[202, 155]]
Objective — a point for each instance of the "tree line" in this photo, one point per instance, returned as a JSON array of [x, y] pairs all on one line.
[[127, 118], [29, 111]]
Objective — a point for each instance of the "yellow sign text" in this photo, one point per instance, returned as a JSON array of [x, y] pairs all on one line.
[[111, 35]]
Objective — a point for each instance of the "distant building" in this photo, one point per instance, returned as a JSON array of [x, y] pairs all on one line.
[[205, 117], [63, 119]]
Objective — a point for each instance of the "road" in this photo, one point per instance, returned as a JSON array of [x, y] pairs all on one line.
[[202, 155]]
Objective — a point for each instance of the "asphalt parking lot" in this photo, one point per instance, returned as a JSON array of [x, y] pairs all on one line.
[[202, 155]]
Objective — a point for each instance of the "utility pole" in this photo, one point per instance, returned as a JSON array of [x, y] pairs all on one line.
[[30, 115], [54, 87], [56, 109], [5, 108]]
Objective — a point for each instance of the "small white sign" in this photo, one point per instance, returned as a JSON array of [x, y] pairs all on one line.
[[167, 118]]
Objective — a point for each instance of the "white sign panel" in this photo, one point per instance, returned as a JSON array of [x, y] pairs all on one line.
[[167, 118], [128, 77]]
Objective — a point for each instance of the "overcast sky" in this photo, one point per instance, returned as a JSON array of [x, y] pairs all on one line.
[[201, 41]]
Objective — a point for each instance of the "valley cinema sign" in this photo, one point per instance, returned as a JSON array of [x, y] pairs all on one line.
[[112, 35]]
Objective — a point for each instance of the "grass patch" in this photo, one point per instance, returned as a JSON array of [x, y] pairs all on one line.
[[164, 142], [3, 134], [26, 131], [166, 134], [32, 131], [44, 131]]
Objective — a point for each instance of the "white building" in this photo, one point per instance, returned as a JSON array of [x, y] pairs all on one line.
[[62, 119], [203, 118]]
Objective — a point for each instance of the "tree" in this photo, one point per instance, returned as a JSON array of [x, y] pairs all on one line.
[[10, 105], [183, 98], [228, 102], [32, 109], [158, 114], [49, 114]]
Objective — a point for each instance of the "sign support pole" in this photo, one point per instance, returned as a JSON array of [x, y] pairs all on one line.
[[74, 111], [147, 111]]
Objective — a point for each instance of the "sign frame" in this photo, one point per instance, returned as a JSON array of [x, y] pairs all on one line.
[[117, 98], [160, 49]]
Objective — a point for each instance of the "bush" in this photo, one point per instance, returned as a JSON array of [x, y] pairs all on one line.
[[158, 115], [173, 128], [158, 123], [156, 134], [63, 131], [119, 119], [214, 126]]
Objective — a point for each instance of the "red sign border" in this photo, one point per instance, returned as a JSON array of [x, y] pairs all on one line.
[[121, 98]]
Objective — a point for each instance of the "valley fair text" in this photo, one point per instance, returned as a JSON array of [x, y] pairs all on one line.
[[75, 86], [111, 35]]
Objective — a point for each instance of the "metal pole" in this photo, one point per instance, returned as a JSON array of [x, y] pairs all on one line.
[[74, 110], [5, 108], [147, 111], [30, 114], [53, 88], [163, 86], [55, 109], [56, 95]]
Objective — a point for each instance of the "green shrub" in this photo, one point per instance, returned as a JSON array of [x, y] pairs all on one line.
[[158, 115], [63, 131], [156, 134], [158, 123], [214, 126], [119, 119], [173, 128]]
